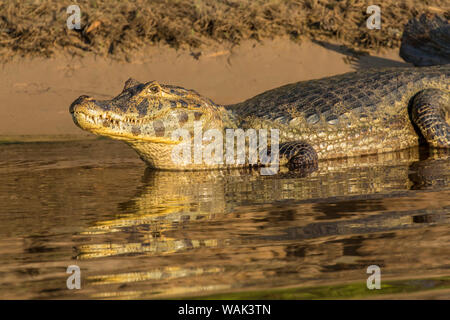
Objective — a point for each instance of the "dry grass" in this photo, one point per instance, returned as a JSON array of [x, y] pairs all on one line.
[[115, 28]]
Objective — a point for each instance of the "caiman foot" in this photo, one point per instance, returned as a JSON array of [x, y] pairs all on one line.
[[299, 155], [430, 110]]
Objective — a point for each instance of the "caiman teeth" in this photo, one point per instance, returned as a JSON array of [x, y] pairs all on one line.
[[112, 119]]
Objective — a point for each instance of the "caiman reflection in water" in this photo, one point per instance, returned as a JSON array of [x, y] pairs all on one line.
[[195, 233]]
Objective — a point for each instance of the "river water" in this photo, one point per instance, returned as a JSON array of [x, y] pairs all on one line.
[[138, 233]]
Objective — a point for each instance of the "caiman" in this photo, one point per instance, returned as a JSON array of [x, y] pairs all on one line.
[[359, 113]]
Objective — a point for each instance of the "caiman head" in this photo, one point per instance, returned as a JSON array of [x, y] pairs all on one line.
[[145, 115]]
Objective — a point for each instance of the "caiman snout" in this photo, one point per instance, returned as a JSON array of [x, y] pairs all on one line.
[[80, 101]]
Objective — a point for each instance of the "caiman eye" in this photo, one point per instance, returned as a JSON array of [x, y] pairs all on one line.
[[154, 89]]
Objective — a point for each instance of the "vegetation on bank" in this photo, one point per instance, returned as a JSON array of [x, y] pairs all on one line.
[[116, 28]]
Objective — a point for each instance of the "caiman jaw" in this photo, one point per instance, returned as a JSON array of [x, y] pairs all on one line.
[[90, 117]]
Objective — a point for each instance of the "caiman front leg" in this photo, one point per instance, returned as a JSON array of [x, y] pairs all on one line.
[[429, 112], [298, 155]]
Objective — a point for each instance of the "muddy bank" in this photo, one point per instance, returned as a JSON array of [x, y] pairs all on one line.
[[117, 29], [35, 94]]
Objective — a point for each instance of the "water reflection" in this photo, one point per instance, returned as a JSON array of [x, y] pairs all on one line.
[[249, 230], [139, 233]]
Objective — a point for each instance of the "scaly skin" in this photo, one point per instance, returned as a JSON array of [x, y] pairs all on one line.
[[358, 113]]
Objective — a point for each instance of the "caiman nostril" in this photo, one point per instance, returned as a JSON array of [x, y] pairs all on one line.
[[78, 101]]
